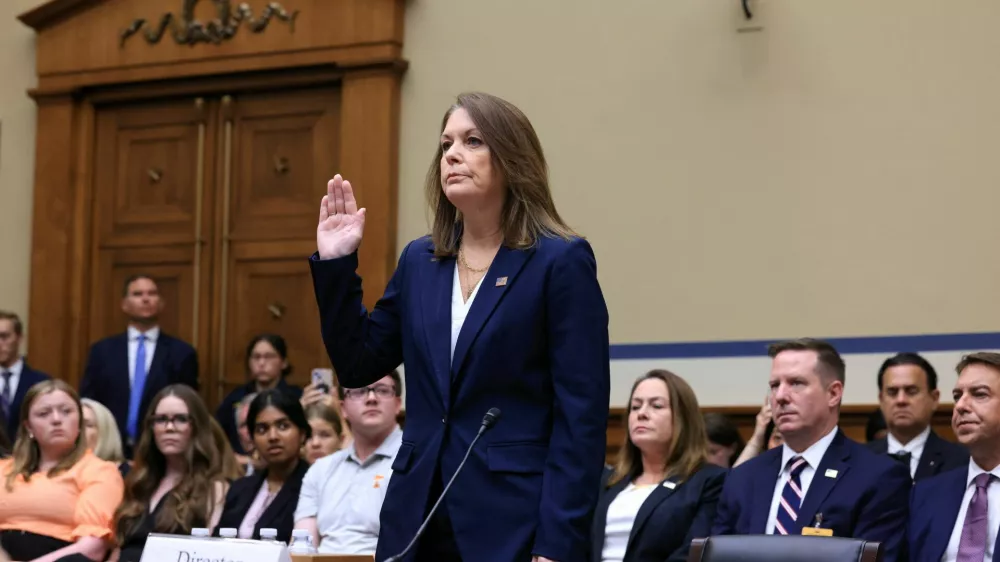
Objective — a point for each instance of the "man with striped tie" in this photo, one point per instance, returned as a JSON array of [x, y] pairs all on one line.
[[819, 482]]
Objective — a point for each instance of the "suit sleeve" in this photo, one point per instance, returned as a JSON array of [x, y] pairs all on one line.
[[188, 371], [363, 347], [726, 511], [701, 525], [89, 386], [580, 366], [884, 516]]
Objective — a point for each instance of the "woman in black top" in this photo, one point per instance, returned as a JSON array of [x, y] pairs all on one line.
[[267, 499]]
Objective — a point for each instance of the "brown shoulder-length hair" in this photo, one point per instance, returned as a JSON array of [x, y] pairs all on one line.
[[687, 450], [528, 211], [26, 453], [190, 503]]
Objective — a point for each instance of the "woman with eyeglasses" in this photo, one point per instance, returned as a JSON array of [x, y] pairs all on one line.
[[178, 479], [267, 367], [267, 499]]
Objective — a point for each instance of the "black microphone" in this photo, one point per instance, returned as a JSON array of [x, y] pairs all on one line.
[[489, 420]]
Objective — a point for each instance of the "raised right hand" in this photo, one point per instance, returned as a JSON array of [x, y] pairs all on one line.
[[341, 223]]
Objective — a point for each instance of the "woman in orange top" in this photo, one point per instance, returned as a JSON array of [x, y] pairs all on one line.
[[58, 500]]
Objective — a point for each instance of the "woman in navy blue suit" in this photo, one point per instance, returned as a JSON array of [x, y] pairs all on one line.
[[498, 307], [663, 491]]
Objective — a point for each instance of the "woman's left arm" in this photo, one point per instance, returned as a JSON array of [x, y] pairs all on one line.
[[220, 492], [579, 359], [101, 490]]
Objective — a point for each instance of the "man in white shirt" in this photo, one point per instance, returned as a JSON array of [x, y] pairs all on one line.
[[124, 372], [342, 494], [908, 397], [954, 516], [819, 479], [16, 377]]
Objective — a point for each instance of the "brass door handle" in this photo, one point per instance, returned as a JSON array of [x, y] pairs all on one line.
[[155, 175], [276, 309], [280, 165]]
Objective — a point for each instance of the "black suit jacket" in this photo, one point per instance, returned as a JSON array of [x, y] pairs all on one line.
[[668, 520], [279, 515], [106, 376], [29, 378], [938, 455]]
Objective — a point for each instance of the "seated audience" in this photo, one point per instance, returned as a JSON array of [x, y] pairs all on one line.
[[250, 461], [908, 396], [267, 366], [342, 493], [876, 428], [16, 377], [765, 437], [724, 441], [819, 478], [954, 515], [268, 498], [58, 499], [178, 479], [103, 437], [327, 429], [663, 491]]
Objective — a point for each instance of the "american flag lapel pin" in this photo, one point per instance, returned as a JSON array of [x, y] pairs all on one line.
[[501, 281]]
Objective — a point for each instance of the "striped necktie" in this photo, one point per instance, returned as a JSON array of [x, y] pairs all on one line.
[[791, 498]]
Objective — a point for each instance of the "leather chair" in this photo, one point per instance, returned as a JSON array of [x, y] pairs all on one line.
[[776, 548]]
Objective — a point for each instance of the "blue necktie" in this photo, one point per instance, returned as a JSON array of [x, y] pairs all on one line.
[[138, 384], [791, 498]]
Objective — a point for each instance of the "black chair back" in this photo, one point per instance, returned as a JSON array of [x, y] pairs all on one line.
[[778, 548]]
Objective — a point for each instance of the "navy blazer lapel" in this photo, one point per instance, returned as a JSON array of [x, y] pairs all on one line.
[[663, 491], [289, 492], [160, 353], [830, 471], [930, 459], [437, 320], [763, 491], [949, 502], [495, 284]]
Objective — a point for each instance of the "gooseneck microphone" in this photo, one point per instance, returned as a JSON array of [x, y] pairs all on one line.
[[489, 420]]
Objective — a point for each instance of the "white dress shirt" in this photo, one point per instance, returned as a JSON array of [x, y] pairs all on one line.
[[15, 377], [993, 513], [915, 447], [459, 308], [621, 516], [133, 347], [813, 456]]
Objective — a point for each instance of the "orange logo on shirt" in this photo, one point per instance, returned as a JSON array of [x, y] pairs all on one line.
[[378, 479]]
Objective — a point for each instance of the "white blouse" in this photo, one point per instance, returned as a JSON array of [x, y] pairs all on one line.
[[621, 516], [459, 308]]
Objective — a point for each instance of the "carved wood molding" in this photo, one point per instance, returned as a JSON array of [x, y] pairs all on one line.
[[186, 30]]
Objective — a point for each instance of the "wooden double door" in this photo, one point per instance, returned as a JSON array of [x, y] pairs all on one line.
[[215, 197]]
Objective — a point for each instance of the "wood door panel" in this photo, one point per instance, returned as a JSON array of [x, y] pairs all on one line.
[[146, 172], [171, 268], [285, 149], [272, 293]]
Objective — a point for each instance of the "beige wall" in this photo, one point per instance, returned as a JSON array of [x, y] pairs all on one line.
[[17, 151], [834, 174]]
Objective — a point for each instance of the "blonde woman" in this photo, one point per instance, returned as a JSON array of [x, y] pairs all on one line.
[[101, 432], [58, 499]]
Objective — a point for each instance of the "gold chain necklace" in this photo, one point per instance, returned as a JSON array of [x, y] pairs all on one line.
[[461, 257]]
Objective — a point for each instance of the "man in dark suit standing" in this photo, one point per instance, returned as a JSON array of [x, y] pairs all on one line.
[[908, 396], [16, 377], [818, 482], [125, 371], [954, 516]]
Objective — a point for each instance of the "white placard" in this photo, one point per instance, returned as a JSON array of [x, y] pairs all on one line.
[[181, 548]]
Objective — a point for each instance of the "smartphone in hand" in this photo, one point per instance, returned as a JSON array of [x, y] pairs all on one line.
[[323, 379]]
